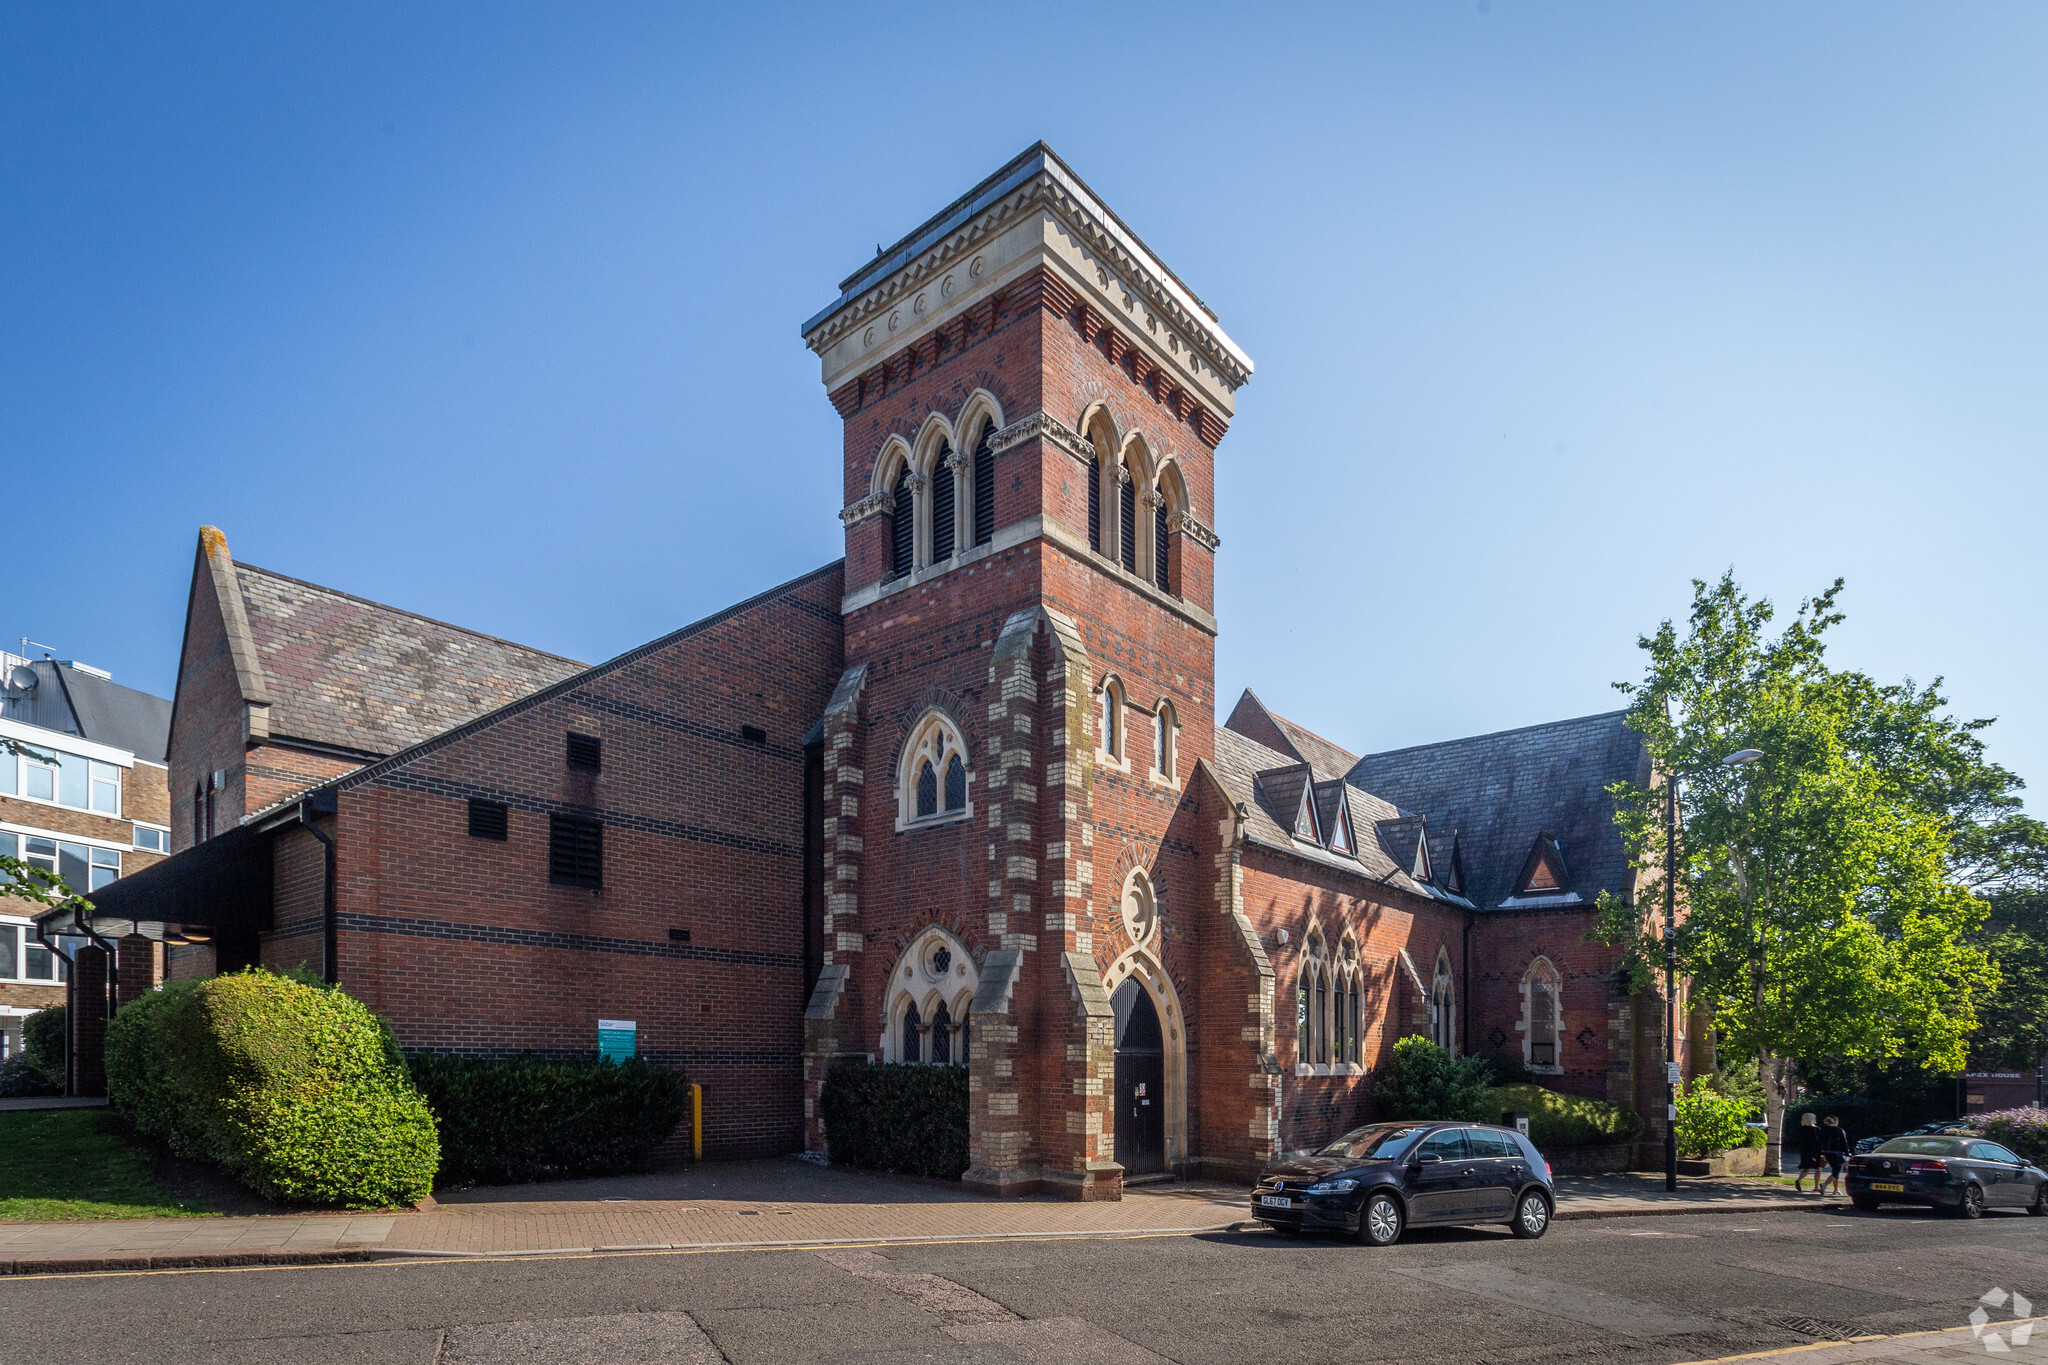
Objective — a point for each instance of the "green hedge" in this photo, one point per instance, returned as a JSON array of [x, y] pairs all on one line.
[[1560, 1120], [892, 1117], [297, 1089], [45, 1042], [531, 1119], [1422, 1081]]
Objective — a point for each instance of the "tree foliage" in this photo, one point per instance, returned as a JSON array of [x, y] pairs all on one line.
[[1827, 887], [1422, 1081]]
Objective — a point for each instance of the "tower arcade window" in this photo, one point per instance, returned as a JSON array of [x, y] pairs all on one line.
[[1159, 558], [902, 523], [985, 485], [944, 489], [1127, 520], [1095, 503]]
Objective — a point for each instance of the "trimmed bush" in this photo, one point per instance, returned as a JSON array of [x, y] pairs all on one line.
[[297, 1089], [46, 1042], [1710, 1121], [1560, 1120], [887, 1116], [502, 1122], [1425, 1082]]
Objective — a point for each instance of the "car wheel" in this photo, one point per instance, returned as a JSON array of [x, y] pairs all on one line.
[[2040, 1204], [1532, 1216], [1869, 1203], [1970, 1204], [1380, 1221]]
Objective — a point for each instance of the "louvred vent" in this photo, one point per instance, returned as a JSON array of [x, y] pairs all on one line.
[[585, 752], [487, 819], [1095, 503], [1159, 573], [902, 530], [943, 487], [575, 851], [985, 485], [1127, 522]]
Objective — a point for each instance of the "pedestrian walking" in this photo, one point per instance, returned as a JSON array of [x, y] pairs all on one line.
[[1834, 1149], [1809, 1153]]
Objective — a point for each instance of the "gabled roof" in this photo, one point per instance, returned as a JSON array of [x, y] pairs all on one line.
[[1240, 766], [1288, 791], [347, 673], [1500, 791], [1403, 840], [1253, 719]]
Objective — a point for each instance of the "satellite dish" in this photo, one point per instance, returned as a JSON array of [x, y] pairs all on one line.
[[23, 678]]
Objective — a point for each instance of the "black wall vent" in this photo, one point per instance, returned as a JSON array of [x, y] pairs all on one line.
[[679, 936], [486, 819], [575, 851], [754, 734], [586, 752]]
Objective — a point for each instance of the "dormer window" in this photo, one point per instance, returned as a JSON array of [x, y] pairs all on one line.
[[1543, 873], [1340, 833], [1305, 816]]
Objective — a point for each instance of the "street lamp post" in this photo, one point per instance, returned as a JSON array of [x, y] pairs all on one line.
[[1735, 760]]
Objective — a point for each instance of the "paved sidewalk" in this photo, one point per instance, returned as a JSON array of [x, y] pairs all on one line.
[[16, 1105], [733, 1204], [1913, 1348]]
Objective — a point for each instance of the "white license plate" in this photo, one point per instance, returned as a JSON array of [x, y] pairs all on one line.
[[1275, 1201], [1886, 1185]]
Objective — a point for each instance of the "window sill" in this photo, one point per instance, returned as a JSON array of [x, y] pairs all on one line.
[[922, 822]]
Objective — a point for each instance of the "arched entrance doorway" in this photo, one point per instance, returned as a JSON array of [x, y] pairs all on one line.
[[1140, 1081]]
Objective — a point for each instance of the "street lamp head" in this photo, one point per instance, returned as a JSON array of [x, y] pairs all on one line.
[[1742, 756]]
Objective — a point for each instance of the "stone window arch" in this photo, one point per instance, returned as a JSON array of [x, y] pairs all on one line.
[[1112, 739], [933, 773], [1443, 1005], [1166, 745], [1542, 1022], [931, 992]]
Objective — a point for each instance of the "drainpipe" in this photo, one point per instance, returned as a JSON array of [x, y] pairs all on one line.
[[331, 972]]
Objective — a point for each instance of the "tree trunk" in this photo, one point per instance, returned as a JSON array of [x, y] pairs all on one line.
[[1772, 1071]]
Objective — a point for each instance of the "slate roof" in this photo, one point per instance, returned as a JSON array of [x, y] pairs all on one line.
[[359, 675], [1240, 760], [71, 701], [1257, 721], [1498, 792]]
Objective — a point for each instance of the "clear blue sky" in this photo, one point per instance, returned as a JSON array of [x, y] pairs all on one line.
[[490, 311]]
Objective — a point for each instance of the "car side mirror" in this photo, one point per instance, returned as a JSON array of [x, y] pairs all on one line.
[[1422, 1157]]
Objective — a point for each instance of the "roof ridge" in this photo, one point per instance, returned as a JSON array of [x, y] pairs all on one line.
[[378, 768], [1496, 734], [401, 611]]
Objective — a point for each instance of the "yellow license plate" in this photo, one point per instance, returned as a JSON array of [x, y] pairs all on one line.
[[1886, 1185]]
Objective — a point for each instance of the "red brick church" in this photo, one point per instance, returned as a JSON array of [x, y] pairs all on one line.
[[958, 799]]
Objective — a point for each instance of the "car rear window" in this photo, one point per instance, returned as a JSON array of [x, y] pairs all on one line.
[[1919, 1146], [1491, 1142], [1380, 1142]]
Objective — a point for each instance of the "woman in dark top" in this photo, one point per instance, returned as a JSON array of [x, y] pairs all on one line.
[[1834, 1148], [1809, 1153]]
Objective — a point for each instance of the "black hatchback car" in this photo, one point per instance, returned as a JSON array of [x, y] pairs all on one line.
[[1958, 1175], [1376, 1182]]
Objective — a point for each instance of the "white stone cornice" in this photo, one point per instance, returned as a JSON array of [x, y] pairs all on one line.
[[1202, 535], [1044, 426], [873, 505]]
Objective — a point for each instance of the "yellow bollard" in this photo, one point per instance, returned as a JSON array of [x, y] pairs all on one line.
[[696, 1122]]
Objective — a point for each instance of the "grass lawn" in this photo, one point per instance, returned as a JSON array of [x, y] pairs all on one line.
[[63, 1164]]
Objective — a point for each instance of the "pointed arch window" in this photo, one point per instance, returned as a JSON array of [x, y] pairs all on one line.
[[944, 487], [911, 1049], [1095, 503], [933, 772], [1113, 721], [1127, 520], [1542, 1016], [985, 485], [902, 523], [1160, 574], [1443, 1006], [1322, 1018], [942, 1036], [1166, 751], [1351, 1040]]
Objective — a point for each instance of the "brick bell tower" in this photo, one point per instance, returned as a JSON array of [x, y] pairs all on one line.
[[1017, 843]]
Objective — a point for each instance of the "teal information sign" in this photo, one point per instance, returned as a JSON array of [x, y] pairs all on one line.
[[615, 1039]]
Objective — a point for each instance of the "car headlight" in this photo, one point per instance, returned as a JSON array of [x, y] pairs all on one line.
[[1332, 1187]]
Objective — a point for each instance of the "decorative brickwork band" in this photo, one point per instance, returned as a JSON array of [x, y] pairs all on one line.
[[1044, 426]]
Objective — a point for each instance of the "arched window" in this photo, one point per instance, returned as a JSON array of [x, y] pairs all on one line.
[[1159, 557], [1127, 519], [1304, 990], [912, 1047], [1353, 1052], [1113, 721], [1542, 1016], [1095, 502], [902, 523], [985, 485], [942, 1036], [1166, 751], [1442, 1006], [944, 486], [1322, 1018], [932, 772]]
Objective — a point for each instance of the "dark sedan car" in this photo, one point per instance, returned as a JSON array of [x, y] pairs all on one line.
[[1959, 1175], [1871, 1144], [1375, 1182]]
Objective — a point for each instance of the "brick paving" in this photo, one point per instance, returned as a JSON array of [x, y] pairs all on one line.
[[746, 1203]]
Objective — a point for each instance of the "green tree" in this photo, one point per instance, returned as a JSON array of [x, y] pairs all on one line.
[[2015, 1028], [1827, 885], [1423, 1081]]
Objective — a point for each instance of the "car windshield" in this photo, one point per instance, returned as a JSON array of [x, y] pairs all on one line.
[[1380, 1142], [1919, 1146]]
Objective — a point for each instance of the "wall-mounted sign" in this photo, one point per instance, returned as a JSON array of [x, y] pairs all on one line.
[[616, 1039]]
